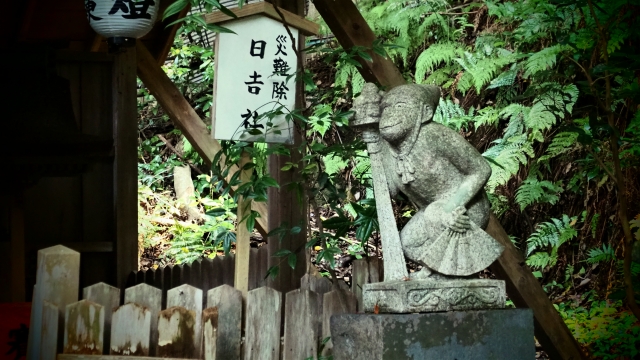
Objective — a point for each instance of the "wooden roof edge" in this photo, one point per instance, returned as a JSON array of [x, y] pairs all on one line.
[[305, 26]]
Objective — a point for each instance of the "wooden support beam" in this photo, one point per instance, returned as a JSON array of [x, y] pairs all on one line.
[[264, 8], [243, 237], [284, 207], [185, 118], [125, 165], [350, 28]]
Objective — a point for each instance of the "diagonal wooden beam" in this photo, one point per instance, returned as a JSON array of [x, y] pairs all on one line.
[[350, 28], [185, 118]]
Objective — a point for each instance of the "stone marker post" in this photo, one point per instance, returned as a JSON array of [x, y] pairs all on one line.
[[57, 281], [394, 264]]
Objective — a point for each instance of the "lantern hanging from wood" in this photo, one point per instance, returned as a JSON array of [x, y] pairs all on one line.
[[121, 21]]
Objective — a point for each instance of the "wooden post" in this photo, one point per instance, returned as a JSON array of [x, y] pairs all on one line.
[[262, 326], [130, 331], [151, 298], [301, 324], [284, 205], [350, 28], [84, 328], [176, 333], [228, 304], [125, 165], [107, 296], [243, 241], [210, 335], [334, 303], [185, 118], [190, 298]]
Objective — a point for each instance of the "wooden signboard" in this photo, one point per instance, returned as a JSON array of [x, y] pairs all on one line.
[[252, 78]]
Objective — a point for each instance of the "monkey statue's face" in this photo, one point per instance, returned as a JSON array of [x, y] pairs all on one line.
[[399, 116]]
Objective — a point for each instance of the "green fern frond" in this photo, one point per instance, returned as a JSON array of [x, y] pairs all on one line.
[[439, 76], [543, 59], [433, 56], [532, 190], [486, 116], [483, 68], [541, 260], [507, 78], [552, 234], [604, 253], [561, 143], [452, 115]]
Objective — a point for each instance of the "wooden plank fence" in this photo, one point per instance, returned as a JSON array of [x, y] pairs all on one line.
[[165, 315]]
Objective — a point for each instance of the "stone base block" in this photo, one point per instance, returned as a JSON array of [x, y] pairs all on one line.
[[463, 335], [416, 296]]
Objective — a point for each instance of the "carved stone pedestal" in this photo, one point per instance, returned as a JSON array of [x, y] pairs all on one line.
[[416, 296], [460, 335]]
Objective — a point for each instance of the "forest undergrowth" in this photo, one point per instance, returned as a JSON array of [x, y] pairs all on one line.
[[548, 92]]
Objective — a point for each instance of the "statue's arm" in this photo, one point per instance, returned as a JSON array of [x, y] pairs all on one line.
[[468, 161]]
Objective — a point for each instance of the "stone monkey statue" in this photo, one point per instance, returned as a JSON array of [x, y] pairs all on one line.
[[441, 173]]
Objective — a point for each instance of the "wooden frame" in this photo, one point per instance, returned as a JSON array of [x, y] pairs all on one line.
[[305, 26]]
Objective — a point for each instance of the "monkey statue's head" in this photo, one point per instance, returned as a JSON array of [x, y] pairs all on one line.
[[404, 108]]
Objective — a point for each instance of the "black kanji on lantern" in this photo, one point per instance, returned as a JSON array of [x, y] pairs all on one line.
[[19, 344], [251, 124], [279, 91], [90, 6], [281, 39], [135, 9], [280, 67], [257, 48], [254, 81]]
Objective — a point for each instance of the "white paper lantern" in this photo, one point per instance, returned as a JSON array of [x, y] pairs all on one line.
[[121, 18]]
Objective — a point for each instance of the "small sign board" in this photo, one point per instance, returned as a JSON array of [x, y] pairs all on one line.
[[253, 80]]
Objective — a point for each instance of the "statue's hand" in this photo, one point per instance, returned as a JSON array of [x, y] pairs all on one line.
[[458, 220], [367, 105]]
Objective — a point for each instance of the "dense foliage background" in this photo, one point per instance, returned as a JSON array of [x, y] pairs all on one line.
[[548, 91]]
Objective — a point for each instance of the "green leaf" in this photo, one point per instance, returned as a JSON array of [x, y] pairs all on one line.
[[216, 212], [282, 253], [227, 238], [292, 259], [273, 272]]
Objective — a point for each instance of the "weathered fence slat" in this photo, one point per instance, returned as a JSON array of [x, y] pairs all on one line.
[[318, 284], [365, 271], [228, 302], [210, 333], [217, 275], [228, 269], [301, 325], [57, 281], [176, 276], [151, 298], [84, 328], [158, 280], [262, 327], [253, 268], [131, 330], [107, 296], [166, 284], [207, 269], [334, 303], [176, 333], [196, 274], [186, 274], [49, 331], [190, 298]]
